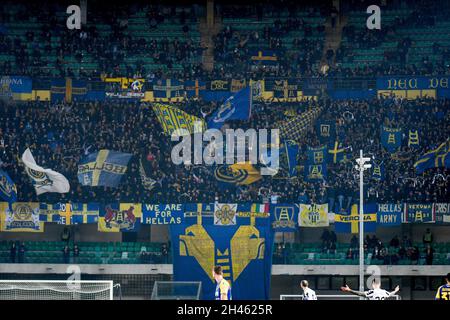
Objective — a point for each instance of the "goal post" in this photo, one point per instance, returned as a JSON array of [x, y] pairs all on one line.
[[56, 290], [176, 290]]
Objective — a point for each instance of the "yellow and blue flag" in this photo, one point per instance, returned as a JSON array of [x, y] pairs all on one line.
[[85, 212], [336, 152], [173, 119], [438, 157], [349, 223], [60, 213], [265, 57], [103, 168]]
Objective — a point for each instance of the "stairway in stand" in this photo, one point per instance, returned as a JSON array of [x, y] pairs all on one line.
[[333, 37], [207, 32]]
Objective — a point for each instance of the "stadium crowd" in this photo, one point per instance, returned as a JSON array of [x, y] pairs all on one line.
[[60, 134]]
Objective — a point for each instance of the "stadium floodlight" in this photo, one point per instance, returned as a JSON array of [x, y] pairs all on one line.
[[361, 166]]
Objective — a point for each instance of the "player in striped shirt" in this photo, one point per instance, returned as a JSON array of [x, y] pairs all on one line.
[[308, 294], [376, 293], [223, 289], [443, 292]]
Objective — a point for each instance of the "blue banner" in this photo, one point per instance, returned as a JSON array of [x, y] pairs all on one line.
[[292, 150], [8, 190], [378, 171], [236, 107], [244, 250], [389, 215], [391, 138], [103, 168], [162, 214], [326, 131], [412, 82], [10, 85], [284, 217], [419, 213], [316, 164]]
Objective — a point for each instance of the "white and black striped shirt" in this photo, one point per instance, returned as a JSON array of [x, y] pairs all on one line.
[[309, 294]]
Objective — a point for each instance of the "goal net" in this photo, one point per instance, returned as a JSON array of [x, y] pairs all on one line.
[[329, 297], [55, 290], [176, 290]]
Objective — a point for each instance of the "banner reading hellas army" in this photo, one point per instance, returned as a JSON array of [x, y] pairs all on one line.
[[240, 242]]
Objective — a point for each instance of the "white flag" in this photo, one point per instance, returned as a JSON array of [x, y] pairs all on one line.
[[44, 180]]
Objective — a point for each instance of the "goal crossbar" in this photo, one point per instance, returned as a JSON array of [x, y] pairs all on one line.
[[56, 290]]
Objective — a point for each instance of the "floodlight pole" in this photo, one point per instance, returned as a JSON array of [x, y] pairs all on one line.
[[361, 166]]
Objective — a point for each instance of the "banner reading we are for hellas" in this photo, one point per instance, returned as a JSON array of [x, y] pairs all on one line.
[[162, 213]]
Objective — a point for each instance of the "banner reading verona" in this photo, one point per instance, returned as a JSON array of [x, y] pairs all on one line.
[[419, 213], [243, 249]]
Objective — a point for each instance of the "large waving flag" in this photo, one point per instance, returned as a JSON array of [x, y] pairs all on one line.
[[8, 190], [44, 180], [103, 168], [439, 157], [173, 119], [236, 107]]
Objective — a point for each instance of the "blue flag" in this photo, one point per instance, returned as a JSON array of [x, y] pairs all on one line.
[[236, 107], [378, 171], [8, 190], [292, 150], [284, 217], [103, 168], [439, 157], [316, 164], [391, 138], [336, 152]]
